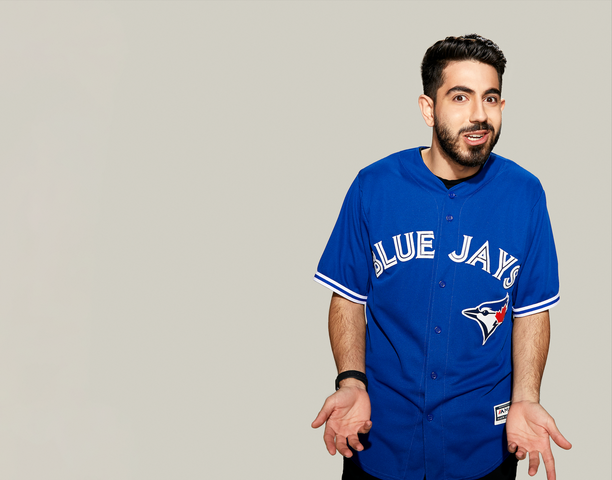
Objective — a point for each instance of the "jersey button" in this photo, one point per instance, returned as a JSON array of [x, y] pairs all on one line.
[[449, 218], [434, 375], [430, 417], [451, 195], [438, 330], [442, 284]]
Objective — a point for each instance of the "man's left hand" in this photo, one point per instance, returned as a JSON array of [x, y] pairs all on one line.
[[529, 428]]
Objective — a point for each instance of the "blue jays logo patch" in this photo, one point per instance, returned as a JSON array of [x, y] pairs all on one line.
[[489, 315]]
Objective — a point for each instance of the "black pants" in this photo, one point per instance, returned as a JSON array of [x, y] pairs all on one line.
[[506, 471]]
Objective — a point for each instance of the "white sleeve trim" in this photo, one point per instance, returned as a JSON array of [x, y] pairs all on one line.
[[339, 289], [522, 309], [536, 308]]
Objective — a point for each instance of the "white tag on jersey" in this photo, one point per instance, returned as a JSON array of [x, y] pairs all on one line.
[[501, 413]]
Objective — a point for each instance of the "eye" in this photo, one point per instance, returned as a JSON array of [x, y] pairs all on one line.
[[490, 99], [460, 98]]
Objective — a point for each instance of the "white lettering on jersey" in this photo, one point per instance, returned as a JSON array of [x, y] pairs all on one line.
[[482, 256], [383, 256], [409, 255], [424, 249], [504, 263], [424, 240], [378, 268], [508, 282], [465, 250]]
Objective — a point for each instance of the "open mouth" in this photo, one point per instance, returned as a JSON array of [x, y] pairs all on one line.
[[476, 138]]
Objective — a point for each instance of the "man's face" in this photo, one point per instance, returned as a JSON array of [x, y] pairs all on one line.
[[467, 112]]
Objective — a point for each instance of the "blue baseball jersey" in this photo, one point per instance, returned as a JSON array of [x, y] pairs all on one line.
[[441, 273]]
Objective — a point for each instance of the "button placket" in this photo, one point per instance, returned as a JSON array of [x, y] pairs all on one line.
[[434, 368]]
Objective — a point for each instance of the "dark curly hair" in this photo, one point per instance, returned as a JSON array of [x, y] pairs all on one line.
[[467, 47]]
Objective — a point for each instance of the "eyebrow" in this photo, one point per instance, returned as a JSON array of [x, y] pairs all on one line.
[[461, 88]]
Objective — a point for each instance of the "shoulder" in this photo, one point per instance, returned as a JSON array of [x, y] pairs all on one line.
[[517, 181], [387, 168], [513, 172]]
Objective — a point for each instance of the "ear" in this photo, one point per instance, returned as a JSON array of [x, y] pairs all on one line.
[[426, 104], [503, 104]]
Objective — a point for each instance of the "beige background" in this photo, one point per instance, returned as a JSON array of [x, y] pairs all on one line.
[[169, 175]]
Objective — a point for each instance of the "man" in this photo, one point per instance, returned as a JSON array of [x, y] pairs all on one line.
[[451, 251]]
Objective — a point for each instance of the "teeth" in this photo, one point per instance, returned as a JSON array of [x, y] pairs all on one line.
[[475, 137]]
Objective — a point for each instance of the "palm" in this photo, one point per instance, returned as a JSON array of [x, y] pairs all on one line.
[[349, 414], [529, 428], [346, 413]]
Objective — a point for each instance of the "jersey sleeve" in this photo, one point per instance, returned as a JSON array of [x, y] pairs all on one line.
[[537, 286], [344, 266]]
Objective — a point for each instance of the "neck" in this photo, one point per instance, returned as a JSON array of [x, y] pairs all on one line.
[[441, 165]]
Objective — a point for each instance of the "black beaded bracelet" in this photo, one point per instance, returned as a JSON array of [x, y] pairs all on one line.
[[352, 374]]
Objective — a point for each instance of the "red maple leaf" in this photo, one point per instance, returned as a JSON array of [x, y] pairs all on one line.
[[501, 314]]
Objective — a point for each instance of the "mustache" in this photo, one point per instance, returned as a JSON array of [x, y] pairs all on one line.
[[477, 127]]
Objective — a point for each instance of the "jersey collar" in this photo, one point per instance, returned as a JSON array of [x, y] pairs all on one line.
[[414, 166]]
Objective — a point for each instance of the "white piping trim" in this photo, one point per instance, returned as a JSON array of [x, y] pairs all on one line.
[[522, 309], [526, 314], [339, 292], [339, 285]]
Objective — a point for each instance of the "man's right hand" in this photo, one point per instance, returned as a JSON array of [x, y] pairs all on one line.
[[345, 414]]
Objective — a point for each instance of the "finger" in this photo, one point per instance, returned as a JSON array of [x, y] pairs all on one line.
[[323, 415], [512, 447], [328, 438], [521, 453], [365, 428], [558, 437], [342, 447], [353, 441], [549, 465], [534, 463]]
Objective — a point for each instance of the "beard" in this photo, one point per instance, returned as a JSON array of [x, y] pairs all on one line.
[[476, 155]]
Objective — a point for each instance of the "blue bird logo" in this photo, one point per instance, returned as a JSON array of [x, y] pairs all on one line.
[[489, 315]]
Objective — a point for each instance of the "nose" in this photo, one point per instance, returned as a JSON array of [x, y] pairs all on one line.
[[478, 113]]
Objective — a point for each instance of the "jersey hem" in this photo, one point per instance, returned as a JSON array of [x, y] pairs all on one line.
[[339, 289], [536, 308], [383, 476]]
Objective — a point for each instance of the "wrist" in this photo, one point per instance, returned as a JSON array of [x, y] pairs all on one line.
[[352, 382], [530, 397], [352, 378]]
